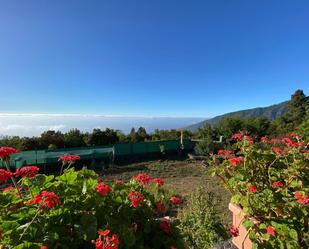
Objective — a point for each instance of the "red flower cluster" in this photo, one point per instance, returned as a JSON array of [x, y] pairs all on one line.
[[136, 198], [5, 152], [119, 182], [160, 208], [234, 231], [301, 198], [5, 175], [249, 139], [270, 230], [276, 140], [277, 150], [108, 242], [236, 160], [237, 136], [176, 200], [265, 140], [46, 199], [143, 178], [43, 247], [278, 184], [225, 153], [69, 158], [252, 189], [9, 189], [102, 189], [158, 181], [27, 171], [165, 226], [291, 143]]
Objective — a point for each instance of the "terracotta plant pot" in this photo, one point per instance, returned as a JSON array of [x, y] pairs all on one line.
[[242, 241]]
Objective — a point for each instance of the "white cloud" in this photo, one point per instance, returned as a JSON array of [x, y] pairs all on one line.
[[29, 124]]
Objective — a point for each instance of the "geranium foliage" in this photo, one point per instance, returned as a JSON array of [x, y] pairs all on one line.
[[269, 180], [79, 210]]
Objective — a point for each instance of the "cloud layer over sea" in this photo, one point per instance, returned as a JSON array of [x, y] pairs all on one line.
[[34, 124]]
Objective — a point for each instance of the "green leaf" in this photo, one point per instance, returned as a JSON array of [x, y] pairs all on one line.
[[248, 224]]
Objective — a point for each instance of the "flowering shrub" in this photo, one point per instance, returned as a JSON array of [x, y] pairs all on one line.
[[269, 180], [79, 210]]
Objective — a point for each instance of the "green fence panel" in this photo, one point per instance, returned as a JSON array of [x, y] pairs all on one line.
[[122, 149], [139, 148], [153, 147], [40, 157]]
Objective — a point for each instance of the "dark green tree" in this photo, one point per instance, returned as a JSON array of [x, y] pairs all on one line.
[[52, 137], [74, 138]]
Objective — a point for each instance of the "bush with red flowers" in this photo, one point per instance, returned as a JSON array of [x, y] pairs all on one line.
[[78, 209], [269, 180]]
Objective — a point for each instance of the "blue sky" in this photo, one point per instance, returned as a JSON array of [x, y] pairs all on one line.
[[151, 58]]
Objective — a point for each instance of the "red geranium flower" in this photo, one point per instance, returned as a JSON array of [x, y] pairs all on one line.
[[119, 182], [288, 141], [27, 171], [249, 139], [159, 181], [298, 195], [237, 136], [136, 198], [103, 189], [160, 208], [165, 226], [108, 242], [265, 140], [44, 247], [236, 160], [5, 175], [9, 189], [46, 199], [69, 158], [234, 231], [304, 200], [225, 153], [276, 140], [104, 232], [5, 152], [270, 230], [278, 184], [143, 178], [176, 200], [252, 189], [277, 150]]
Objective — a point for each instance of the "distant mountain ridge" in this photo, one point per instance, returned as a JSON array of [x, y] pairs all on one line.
[[271, 112]]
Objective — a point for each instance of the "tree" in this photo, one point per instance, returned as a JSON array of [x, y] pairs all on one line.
[[141, 134], [99, 137], [52, 137], [207, 135], [31, 143], [229, 126], [296, 111], [74, 138], [303, 129], [132, 136]]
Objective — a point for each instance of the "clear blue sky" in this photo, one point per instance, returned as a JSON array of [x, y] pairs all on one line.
[[157, 58]]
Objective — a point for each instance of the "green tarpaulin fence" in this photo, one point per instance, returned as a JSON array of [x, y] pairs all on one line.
[[42, 157]]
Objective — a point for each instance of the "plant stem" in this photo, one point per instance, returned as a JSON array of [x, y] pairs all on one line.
[[13, 180], [36, 215]]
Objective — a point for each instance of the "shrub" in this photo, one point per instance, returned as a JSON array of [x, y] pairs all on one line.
[[269, 180], [200, 220], [78, 210]]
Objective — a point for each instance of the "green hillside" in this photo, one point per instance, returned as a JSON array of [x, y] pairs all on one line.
[[271, 112]]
